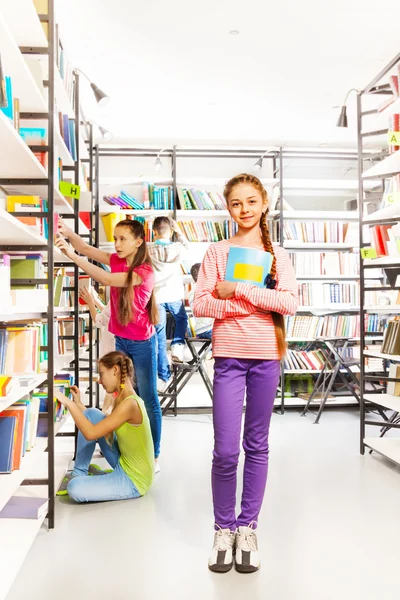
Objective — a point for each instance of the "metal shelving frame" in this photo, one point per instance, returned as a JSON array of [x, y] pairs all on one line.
[[377, 87]]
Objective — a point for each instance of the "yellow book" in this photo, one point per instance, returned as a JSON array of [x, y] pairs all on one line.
[[12, 201]]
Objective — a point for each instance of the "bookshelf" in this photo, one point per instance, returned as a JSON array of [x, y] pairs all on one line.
[[378, 234], [42, 467]]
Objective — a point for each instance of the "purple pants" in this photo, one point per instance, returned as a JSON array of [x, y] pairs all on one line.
[[232, 378]]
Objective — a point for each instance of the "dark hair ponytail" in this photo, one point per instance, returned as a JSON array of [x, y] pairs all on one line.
[[277, 318], [126, 294]]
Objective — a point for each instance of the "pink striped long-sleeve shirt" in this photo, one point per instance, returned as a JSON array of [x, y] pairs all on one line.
[[243, 326]]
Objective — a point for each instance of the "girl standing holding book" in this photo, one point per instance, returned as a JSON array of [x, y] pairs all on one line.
[[133, 307], [248, 343]]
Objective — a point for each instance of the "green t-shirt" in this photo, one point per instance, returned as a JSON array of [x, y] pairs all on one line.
[[137, 450]]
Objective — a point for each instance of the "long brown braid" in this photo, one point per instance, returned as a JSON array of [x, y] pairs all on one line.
[[277, 318]]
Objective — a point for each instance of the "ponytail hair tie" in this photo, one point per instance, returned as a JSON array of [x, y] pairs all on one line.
[[269, 282], [122, 385]]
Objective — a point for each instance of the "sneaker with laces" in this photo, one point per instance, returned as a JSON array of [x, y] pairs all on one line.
[[62, 490], [177, 353], [221, 557], [162, 385], [247, 558], [96, 470]]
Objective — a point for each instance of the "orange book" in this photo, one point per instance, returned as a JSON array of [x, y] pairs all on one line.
[[18, 435]]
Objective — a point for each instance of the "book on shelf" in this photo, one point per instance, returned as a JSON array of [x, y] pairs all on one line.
[[302, 360], [384, 239], [192, 199], [391, 339], [6, 385], [208, 231], [248, 265], [326, 263], [328, 294], [7, 435], [309, 327], [329, 232], [35, 136], [393, 387], [8, 108], [24, 507], [3, 91]]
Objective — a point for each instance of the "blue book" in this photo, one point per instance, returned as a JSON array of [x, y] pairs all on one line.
[[7, 429], [248, 265], [8, 110]]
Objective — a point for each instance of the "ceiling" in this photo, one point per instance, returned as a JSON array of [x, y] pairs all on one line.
[[176, 75]]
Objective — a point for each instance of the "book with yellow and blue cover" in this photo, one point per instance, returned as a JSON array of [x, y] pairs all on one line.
[[248, 265]]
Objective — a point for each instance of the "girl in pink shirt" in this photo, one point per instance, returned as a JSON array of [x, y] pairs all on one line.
[[133, 307], [248, 343]]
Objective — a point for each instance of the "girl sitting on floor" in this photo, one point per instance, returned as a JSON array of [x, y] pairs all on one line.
[[124, 438]]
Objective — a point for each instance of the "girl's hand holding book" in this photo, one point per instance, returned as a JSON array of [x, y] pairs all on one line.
[[225, 289], [63, 228], [65, 247]]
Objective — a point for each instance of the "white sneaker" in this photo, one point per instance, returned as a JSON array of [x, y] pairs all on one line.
[[247, 559], [162, 385], [177, 352], [221, 557]]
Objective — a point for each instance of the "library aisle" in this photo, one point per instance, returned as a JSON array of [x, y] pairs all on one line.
[[327, 529], [181, 182]]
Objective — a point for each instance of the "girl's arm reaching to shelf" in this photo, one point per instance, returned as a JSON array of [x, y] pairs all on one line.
[[81, 246], [127, 410], [98, 274]]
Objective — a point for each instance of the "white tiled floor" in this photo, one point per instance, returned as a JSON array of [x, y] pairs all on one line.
[[329, 527]]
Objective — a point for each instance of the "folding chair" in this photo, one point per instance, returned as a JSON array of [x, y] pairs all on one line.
[[183, 372]]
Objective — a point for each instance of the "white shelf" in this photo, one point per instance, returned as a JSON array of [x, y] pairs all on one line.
[[27, 31], [131, 180], [378, 354], [387, 167], [318, 215], [24, 85], [19, 392], [380, 121], [387, 447], [322, 184], [385, 400], [21, 533], [300, 402], [382, 260], [108, 209], [18, 162], [389, 309], [328, 309], [388, 212], [197, 182], [296, 244], [327, 278], [188, 215]]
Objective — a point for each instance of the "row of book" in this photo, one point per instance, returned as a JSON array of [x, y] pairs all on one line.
[[384, 239], [68, 133], [21, 346], [309, 327], [328, 294], [208, 231], [325, 263], [154, 198], [332, 232], [26, 420], [312, 360], [192, 199]]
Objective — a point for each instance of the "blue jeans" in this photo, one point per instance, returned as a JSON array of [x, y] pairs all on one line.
[[206, 335], [177, 310], [99, 488], [143, 354]]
